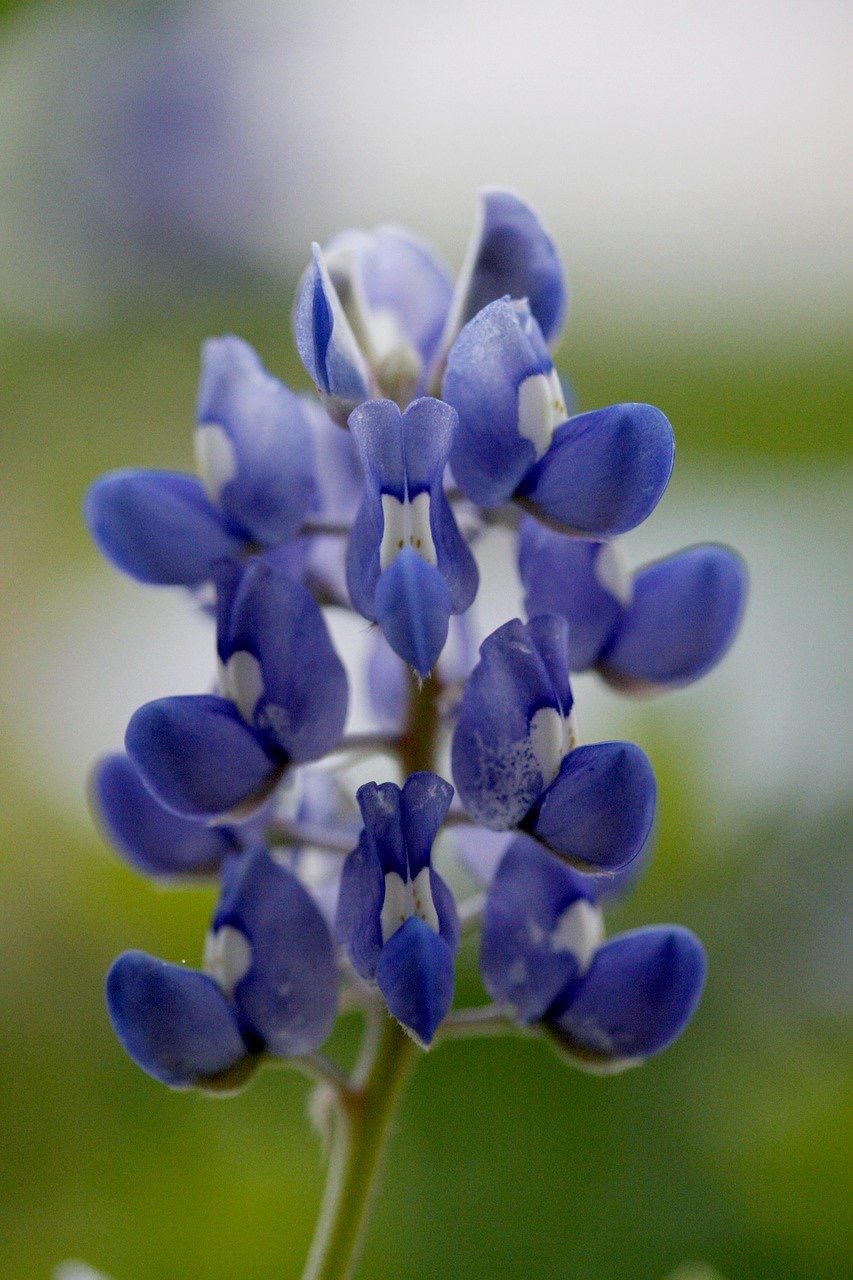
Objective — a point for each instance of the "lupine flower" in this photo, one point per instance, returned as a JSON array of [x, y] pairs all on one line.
[[659, 628], [607, 1004], [408, 566], [396, 916], [387, 680], [284, 700], [255, 457], [270, 985], [597, 473], [377, 312], [516, 763]]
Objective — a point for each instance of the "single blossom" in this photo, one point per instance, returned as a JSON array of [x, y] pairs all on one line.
[[516, 762], [269, 985], [255, 456], [377, 312], [396, 916], [608, 1004], [408, 566], [283, 700], [596, 473], [659, 628]]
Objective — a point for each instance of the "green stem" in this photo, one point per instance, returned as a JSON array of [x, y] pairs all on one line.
[[362, 1128]]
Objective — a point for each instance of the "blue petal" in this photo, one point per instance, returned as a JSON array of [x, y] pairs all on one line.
[[491, 358], [174, 1022], [605, 471], [600, 808], [327, 344], [301, 705], [495, 768], [382, 813], [560, 576], [158, 526], [358, 927], [415, 975], [253, 442], [510, 254], [288, 999], [640, 993], [401, 274], [684, 616], [412, 606], [424, 803], [153, 840], [524, 960], [198, 757]]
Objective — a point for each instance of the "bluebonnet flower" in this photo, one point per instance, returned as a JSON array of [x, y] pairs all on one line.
[[270, 985], [396, 916], [408, 566], [284, 700], [659, 628], [516, 762], [255, 456], [377, 312], [607, 1004]]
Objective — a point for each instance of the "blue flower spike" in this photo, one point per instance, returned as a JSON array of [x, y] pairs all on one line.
[[595, 474], [221, 757], [608, 1005], [516, 763], [269, 987], [408, 566], [255, 456], [659, 629], [396, 916]]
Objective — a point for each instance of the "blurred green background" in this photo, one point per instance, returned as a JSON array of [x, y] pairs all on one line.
[[733, 1148]]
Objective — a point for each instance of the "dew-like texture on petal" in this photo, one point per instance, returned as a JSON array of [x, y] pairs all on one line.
[[493, 355], [601, 806], [412, 606], [640, 993], [174, 1022], [605, 471], [197, 755], [523, 958], [402, 275], [266, 435], [559, 576], [288, 999], [495, 768], [326, 342], [158, 526], [302, 706], [685, 613], [153, 840], [510, 254], [415, 975], [358, 926]]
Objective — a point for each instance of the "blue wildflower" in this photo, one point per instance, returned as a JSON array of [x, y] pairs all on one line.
[[270, 985], [396, 916], [408, 566], [608, 1004], [516, 762]]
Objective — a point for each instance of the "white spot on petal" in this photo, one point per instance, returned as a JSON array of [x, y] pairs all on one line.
[[420, 533], [216, 460], [407, 898], [227, 957], [552, 737], [579, 930], [612, 573], [394, 530], [241, 679], [541, 409]]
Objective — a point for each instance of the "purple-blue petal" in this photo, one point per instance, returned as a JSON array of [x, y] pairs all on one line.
[[684, 615], [158, 526], [362, 892], [174, 1022], [600, 808], [522, 960], [153, 840], [424, 802], [605, 471], [415, 975], [412, 605], [288, 999], [401, 274], [268, 488], [198, 757], [641, 991], [326, 343]]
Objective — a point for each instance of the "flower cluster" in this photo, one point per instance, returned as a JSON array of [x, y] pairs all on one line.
[[440, 413]]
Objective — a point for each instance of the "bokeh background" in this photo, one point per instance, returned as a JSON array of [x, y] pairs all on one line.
[[163, 168]]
